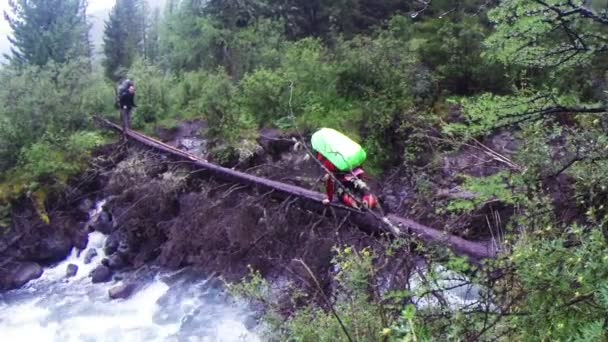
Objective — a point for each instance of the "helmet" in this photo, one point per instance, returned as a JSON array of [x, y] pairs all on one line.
[[370, 201]]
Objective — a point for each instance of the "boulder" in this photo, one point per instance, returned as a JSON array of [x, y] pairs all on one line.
[[24, 272], [112, 243], [71, 270], [275, 143], [124, 249], [91, 253], [121, 291], [101, 274], [80, 239], [85, 206], [103, 224], [51, 249], [116, 262]]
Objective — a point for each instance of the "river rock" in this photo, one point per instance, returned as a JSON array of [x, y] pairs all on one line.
[[274, 142], [116, 262], [85, 206], [24, 272], [91, 253], [101, 274], [123, 248], [80, 239], [51, 249], [103, 224], [121, 291], [71, 270], [112, 243]]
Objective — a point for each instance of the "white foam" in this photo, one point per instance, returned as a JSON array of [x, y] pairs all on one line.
[[56, 308], [58, 272], [126, 320], [456, 289]]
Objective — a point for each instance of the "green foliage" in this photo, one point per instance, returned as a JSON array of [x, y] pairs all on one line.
[[216, 104], [489, 112], [131, 32], [254, 287], [265, 96], [54, 156], [534, 34], [5, 217], [49, 162], [453, 49], [361, 316], [189, 41], [563, 281], [124, 37], [47, 31], [389, 81], [56, 99], [485, 190], [153, 93], [405, 328]]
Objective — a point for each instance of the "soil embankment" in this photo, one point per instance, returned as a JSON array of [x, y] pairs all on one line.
[[160, 210]]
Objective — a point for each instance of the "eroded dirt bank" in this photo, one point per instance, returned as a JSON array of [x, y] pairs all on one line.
[[158, 210]]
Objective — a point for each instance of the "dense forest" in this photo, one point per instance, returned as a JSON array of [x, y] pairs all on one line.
[[412, 80]]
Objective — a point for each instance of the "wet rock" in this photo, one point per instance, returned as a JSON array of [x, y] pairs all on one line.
[[274, 142], [116, 262], [123, 248], [216, 283], [112, 243], [101, 274], [80, 239], [71, 271], [195, 146], [25, 272], [103, 224], [54, 248], [85, 206], [481, 161], [251, 322], [91, 253], [121, 291]]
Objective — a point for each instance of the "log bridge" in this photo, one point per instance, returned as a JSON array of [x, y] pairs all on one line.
[[367, 221]]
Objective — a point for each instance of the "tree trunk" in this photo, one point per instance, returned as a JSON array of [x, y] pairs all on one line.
[[367, 221]]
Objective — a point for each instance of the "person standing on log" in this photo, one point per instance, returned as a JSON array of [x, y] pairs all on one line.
[[126, 102]]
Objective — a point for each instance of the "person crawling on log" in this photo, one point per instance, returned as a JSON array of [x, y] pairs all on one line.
[[126, 101], [342, 157]]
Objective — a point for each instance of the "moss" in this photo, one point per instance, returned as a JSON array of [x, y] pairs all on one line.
[[39, 198]]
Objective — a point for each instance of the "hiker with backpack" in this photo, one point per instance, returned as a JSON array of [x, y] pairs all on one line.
[[342, 158], [126, 102]]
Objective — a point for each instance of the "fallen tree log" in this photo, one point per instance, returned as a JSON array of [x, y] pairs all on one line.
[[309, 199]]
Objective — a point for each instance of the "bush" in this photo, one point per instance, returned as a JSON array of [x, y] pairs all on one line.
[[153, 87], [37, 100]]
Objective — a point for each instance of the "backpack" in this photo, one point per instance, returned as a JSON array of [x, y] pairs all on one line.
[[120, 90], [339, 149]]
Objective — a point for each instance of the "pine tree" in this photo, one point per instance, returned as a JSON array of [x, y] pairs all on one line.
[[151, 46], [47, 30], [123, 37]]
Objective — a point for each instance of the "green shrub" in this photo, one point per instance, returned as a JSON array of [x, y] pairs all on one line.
[[153, 87], [37, 100]]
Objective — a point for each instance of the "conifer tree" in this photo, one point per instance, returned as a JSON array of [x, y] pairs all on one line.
[[123, 37], [151, 46], [47, 30]]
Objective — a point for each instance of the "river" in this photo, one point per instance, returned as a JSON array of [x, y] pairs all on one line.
[[178, 306]]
